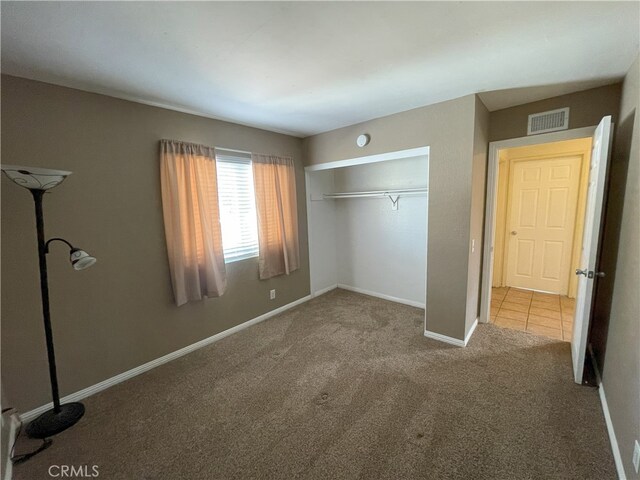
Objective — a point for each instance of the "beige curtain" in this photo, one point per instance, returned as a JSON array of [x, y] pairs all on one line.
[[192, 220], [276, 205]]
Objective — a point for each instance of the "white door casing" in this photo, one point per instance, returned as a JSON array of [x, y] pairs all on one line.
[[491, 204], [592, 224]]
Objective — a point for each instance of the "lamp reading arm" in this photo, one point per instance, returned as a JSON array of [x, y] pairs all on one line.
[[46, 245], [79, 258]]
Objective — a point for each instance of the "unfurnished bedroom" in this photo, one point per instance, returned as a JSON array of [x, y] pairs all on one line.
[[320, 240]]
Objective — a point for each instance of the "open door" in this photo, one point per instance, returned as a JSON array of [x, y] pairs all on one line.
[[587, 271]]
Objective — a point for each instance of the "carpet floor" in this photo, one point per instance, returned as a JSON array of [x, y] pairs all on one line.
[[345, 386]]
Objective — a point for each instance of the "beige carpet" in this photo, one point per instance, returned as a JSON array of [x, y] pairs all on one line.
[[346, 386]]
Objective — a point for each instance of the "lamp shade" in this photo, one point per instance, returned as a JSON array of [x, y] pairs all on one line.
[[34, 178], [81, 259]]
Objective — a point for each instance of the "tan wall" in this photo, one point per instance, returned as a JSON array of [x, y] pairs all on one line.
[[448, 130], [120, 313], [586, 109], [621, 375], [478, 191]]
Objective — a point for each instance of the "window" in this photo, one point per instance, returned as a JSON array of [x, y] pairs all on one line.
[[237, 206]]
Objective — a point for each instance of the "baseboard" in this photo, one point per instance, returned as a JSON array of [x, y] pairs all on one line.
[[470, 332], [98, 387], [381, 295], [322, 291], [453, 341], [615, 448], [12, 420]]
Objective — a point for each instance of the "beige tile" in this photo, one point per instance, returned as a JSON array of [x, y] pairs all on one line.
[[494, 310], [520, 293], [493, 319], [568, 311], [515, 299], [496, 301], [544, 312], [567, 333], [544, 297], [544, 321], [548, 296], [545, 304], [516, 307], [500, 290], [567, 319], [510, 323], [546, 331], [568, 302], [521, 316]]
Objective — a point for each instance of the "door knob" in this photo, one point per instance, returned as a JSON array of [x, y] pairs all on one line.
[[513, 232], [600, 274], [584, 272]]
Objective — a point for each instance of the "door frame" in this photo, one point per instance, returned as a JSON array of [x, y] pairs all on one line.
[[491, 200]]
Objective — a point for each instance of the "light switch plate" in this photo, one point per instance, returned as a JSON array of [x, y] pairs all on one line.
[[272, 294]]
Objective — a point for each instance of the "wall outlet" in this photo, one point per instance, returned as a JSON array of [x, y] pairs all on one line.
[[636, 456], [272, 294]]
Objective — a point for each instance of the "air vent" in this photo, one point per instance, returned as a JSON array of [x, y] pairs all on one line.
[[550, 121]]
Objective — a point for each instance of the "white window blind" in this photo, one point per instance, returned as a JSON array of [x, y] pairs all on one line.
[[237, 206]]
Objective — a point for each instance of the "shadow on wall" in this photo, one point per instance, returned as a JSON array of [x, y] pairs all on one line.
[[608, 255]]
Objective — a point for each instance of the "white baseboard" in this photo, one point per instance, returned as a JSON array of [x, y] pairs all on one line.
[[613, 440], [381, 295], [615, 449], [10, 422], [98, 387], [470, 332], [453, 341], [322, 291]]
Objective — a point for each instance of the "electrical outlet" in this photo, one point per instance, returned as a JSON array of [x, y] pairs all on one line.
[[272, 294], [636, 456]]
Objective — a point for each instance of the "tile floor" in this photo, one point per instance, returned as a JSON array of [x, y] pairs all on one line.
[[540, 313]]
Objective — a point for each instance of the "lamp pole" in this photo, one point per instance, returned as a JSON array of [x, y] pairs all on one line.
[[64, 416], [44, 287]]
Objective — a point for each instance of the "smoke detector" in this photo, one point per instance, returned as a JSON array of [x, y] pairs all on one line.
[[363, 140]]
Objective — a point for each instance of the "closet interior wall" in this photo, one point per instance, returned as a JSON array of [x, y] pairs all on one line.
[[362, 243]]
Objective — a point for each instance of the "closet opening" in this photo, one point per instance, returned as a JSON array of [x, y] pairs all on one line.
[[367, 220]]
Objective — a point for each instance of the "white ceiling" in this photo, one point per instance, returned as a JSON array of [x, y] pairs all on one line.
[[308, 67]]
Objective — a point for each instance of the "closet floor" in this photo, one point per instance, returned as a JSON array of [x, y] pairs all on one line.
[[539, 313]]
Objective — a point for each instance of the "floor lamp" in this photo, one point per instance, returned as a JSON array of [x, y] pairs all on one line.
[[38, 181]]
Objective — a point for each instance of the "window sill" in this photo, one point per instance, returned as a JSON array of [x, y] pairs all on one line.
[[240, 257]]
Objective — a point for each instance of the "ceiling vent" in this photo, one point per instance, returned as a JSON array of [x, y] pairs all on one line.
[[550, 121]]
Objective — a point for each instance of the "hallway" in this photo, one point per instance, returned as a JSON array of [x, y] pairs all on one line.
[[534, 312]]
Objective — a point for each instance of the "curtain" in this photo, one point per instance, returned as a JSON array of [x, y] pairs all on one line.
[[192, 220], [276, 206]]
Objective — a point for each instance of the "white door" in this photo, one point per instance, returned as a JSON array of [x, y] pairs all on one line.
[[542, 216], [587, 271]]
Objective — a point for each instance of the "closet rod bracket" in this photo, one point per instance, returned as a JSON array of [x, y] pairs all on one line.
[[394, 201]]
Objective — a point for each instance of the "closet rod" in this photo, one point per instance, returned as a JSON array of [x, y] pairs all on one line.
[[377, 193]]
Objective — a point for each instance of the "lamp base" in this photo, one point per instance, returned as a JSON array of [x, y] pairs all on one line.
[[51, 423]]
